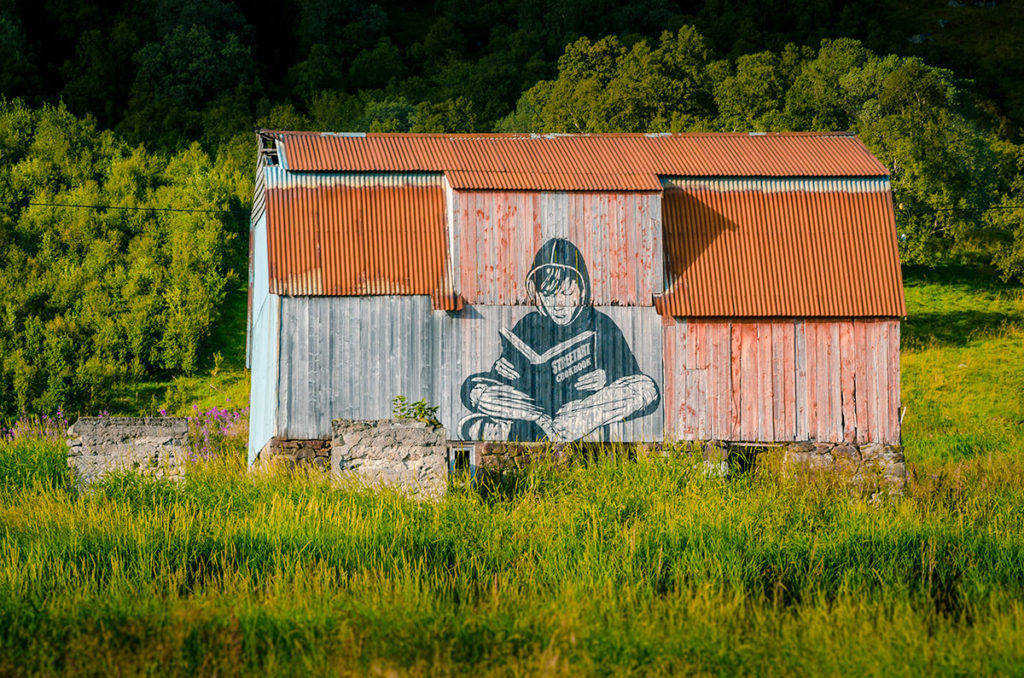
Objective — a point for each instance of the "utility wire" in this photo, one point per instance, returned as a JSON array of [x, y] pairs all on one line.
[[220, 211], [118, 207]]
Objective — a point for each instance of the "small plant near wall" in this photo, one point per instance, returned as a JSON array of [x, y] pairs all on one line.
[[401, 408]]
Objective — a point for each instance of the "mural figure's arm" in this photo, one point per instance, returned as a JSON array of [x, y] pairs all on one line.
[[614, 402], [502, 401]]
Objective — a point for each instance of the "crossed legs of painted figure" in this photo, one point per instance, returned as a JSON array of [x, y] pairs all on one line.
[[499, 405]]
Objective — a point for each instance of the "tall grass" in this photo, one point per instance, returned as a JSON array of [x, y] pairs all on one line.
[[613, 566]]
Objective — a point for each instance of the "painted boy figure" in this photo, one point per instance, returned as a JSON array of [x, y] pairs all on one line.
[[565, 369]]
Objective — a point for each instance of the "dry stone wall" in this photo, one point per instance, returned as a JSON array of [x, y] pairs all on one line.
[[405, 453], [150, 445]]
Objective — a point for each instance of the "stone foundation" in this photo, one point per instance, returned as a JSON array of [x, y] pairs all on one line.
[[310, 453], [405, 453], [873, 468], [153, 446]]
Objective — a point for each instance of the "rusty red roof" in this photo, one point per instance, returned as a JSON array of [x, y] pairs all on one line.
[[361, 235], [614, 162], [770, 247]]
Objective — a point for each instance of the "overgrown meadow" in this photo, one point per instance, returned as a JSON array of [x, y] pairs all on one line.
[[611, 566]]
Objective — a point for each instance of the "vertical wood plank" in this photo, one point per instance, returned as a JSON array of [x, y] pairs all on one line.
[[860, 384], [766, 391], [748, 381], [872, 341], [701, 404], [788, 365], [813, 400], [721, 367], [885, 416], [835, 384], [778, 381], [735, 382], [800, 380], [847, 375], [670, 369]]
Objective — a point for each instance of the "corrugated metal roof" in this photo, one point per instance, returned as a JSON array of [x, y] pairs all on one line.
[[357, 234], [770, 247], [613, 162]]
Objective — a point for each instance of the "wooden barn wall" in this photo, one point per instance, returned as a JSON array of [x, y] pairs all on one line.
[[782, 380], [348, 357], [495, 235]]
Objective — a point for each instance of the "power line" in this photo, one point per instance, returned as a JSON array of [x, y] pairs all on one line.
[[120, 207], [963, 209]]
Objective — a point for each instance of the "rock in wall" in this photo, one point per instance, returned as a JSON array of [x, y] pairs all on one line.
[[405, 453]]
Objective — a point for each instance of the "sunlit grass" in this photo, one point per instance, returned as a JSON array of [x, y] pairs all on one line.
[[962, 366], [608, 567]]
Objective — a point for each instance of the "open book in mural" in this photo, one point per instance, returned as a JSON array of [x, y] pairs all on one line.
[[564, 371]]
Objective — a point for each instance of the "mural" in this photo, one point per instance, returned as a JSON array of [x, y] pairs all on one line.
[[564, 371]]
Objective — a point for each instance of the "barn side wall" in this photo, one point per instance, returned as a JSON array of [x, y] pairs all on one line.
[[783, 380], [348, 357]]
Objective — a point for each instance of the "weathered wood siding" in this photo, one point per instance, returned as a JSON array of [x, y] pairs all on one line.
[[495, 235], [782, 380]]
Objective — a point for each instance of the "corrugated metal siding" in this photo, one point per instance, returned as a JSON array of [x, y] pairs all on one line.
[[264, 338], [581, 162], [783, 380], [497, 234], [347, 357], [356, 234], [258, 211], [778, 247]]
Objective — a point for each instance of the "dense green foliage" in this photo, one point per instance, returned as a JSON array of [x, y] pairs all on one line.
[[151, 105], [94, 297], [947, 170], [613, 567]]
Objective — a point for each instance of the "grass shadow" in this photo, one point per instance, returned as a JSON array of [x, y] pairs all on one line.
[[953, 305]]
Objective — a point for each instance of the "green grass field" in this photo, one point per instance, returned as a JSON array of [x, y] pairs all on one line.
[[612, 567]]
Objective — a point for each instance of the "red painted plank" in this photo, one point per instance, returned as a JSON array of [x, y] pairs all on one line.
[[813, 402], [778, 381], [748, 381], [721, 367], [876, 413], [860, 384], [735, 381], [835, 383], [766, 391], [670, 384], [687, 334], [847, 367], [789, 378], [885, 416]]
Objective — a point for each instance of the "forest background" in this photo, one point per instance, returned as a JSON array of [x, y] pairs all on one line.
[[127, 148]]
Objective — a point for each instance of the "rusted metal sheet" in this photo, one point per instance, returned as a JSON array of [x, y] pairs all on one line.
[[350, 356], [771, 380], [780, 247], [497, 233], [579, 162], [357, 234]]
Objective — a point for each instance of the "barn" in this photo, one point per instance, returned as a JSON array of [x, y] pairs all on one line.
[[627, 287]]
